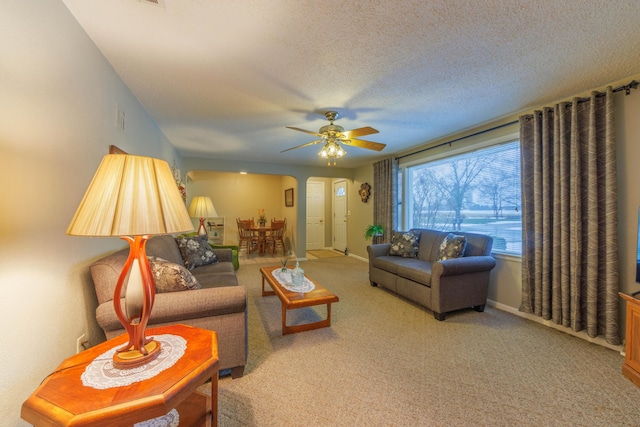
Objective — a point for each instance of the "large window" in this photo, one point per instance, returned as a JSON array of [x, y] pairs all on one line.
[[478, 191]]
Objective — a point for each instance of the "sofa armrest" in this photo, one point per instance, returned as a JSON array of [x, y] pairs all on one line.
[[379, 249], [472, 264], [223, 254], [179, 306]]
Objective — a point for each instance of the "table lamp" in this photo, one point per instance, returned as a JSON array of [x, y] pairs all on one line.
[[134, 198], [202, 207]]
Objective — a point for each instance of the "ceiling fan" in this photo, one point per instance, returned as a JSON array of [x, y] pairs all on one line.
[[333, 135]]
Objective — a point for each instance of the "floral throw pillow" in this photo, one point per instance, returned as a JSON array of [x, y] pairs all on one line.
[[452, 246], [196, 251], [171, 277], [404, 244]]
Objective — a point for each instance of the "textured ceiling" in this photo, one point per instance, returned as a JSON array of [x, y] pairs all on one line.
[[223, 78]]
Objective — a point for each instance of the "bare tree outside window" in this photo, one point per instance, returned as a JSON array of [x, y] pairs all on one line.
[[477, 192]]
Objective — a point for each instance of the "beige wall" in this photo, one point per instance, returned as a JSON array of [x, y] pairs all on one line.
[[58, 104], [361, 213], [628, 136], [295, 174], [235, 195]]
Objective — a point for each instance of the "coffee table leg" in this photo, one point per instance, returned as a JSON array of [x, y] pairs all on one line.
[[307, 326], [284, 320], [264, 292]]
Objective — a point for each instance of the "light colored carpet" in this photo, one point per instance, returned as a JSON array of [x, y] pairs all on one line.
[[387, 362], [325, 253]]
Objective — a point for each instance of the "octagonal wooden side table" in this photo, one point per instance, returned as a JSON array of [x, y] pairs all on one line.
[[63, 400]]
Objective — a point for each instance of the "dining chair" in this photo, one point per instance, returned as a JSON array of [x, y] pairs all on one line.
[[276, 238], [246, 237]]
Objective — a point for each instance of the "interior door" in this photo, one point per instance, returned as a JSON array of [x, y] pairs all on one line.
[[340, 215], [315, 215]]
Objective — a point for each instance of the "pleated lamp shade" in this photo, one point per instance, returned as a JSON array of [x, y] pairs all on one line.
[[202, 207], [131, 196]]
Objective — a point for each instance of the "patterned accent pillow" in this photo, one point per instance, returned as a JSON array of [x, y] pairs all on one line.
[[196, 251], [452, 246], [171, 277], [404, 244]]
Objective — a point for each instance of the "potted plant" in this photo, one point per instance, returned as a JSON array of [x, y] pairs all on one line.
[[373, 231]]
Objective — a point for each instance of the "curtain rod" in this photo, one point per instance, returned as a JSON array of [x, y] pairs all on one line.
[[458, 139], [627, 88]]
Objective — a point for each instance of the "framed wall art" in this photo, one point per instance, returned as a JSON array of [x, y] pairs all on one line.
[[288, 197]]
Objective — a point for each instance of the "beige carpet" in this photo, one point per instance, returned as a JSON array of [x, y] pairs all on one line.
[[325, 253], [387, 362]]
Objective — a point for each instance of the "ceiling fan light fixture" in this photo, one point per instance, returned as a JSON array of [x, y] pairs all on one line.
[[333, 136], [332, 151]]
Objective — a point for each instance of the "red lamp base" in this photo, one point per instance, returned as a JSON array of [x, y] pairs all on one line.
[[202, 229], [139, 296]]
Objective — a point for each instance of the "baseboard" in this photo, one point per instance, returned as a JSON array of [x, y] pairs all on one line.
[[359, 258], [583, 335]]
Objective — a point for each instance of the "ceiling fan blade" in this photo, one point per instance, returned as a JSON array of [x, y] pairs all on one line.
[[303, 145], [367, 130], [305, 131], [364, 144]]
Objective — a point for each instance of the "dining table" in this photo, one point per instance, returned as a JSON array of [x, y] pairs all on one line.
[[262, 231]]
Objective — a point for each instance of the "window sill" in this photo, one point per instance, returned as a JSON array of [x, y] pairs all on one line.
[[507, 256]]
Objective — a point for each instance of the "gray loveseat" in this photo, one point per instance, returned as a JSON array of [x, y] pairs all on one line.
[[441, 286], [221, 305]]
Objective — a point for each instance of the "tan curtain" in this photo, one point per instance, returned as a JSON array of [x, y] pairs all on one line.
[[570, 216], [384, 197]]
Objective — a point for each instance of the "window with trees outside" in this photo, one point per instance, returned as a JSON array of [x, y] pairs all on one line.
[[478, 192]]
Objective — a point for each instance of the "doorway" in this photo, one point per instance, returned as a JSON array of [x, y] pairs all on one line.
[[340, 215], [315, 215]]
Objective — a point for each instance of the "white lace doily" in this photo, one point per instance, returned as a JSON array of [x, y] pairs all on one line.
[[284, 278], [100, 374], [170, 419]]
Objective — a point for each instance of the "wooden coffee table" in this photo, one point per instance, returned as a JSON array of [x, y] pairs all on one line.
[[293, 300]]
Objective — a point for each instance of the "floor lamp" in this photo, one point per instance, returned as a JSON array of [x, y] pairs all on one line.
[[134, 198], [202, 207]]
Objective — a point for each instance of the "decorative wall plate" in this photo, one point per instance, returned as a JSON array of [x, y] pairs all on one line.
[[365, 191]]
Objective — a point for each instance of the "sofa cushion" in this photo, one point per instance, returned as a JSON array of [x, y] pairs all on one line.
[[171, 277], [216, 275], [404, 244], [430, 240], [416, 270], [452, 247], [196, 251], [409, 268], [164, 247], [386, 263]]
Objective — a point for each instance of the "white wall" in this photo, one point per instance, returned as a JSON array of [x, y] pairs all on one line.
[[58, 96]]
